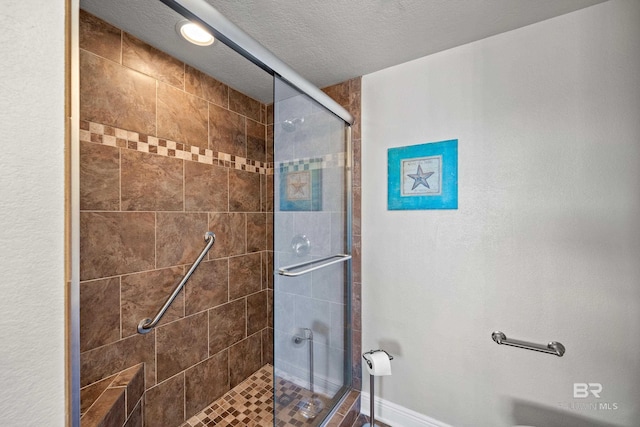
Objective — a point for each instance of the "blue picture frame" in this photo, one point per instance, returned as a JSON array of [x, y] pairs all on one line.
[[301, 185], [423, 176]]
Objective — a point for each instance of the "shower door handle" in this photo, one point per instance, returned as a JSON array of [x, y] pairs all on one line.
[[309, 266]]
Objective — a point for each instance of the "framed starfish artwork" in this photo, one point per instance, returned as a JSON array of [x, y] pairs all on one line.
[[301, 185], [423, 176]]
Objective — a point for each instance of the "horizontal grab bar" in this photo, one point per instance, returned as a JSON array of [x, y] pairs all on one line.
[[325, 262], [553, 347], [146, 325]]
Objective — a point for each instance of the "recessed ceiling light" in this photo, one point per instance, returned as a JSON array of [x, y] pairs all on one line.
[[194, 33]]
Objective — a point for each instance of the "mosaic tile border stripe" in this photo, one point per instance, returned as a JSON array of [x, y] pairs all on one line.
[[334, 160], [121, 138]]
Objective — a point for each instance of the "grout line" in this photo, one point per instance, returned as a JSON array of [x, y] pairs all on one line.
[[228, 190], [184, 186], [261, 266], [155, 356], [246, 146], [228, 283], [184, 295], [120, 304], [103, 346], [156, 121], [87, 281], [165, 380], [119, 180], [155, 240], [246, 237], [261, 348]]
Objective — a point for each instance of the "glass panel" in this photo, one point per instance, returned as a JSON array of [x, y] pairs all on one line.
[[311, 340]]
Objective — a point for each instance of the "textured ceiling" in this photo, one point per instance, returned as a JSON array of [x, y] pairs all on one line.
[[329, 41]]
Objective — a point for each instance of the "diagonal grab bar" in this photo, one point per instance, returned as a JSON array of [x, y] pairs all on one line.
[[146, 325]]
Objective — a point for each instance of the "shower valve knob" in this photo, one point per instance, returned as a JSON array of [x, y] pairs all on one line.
[[301, 245]]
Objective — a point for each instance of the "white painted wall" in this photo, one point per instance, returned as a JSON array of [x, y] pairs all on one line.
[[32, 376], [545, 244]]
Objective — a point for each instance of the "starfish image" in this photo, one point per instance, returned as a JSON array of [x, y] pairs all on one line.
[[298, 187], [420, 178]]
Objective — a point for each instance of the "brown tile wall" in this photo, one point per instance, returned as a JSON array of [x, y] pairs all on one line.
[[168, 153]]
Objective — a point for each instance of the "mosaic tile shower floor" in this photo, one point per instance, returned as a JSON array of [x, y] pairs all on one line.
[[250, 404]]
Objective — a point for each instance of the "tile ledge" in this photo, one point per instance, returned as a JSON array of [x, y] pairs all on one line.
[[116, 391]]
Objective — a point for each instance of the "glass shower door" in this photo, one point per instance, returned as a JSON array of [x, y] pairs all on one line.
[[311, 258]]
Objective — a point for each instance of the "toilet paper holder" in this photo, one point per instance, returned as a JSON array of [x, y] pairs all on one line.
[[372, 393], [374, 351]]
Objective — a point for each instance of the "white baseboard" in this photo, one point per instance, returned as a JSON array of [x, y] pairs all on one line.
[[396, 415], [323, 385]]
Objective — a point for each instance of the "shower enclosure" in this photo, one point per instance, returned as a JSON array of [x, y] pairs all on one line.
[[268, 308], [311, 253]]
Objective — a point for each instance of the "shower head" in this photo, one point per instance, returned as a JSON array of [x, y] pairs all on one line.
[[290, 125]]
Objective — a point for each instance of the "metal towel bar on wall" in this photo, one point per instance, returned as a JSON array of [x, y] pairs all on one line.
[[146, 325], [553, 347]]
